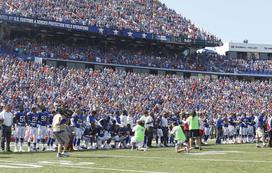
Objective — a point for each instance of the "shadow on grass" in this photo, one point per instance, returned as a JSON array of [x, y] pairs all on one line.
[[93, 157], [5, 157]]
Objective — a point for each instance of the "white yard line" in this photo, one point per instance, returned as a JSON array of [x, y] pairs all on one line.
[[17, 165], [23, 165]]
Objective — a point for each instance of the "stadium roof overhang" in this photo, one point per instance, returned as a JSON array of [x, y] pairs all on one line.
[[39, 31], [80, 31]]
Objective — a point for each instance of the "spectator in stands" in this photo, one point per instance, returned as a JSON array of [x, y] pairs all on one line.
[[149, 17]]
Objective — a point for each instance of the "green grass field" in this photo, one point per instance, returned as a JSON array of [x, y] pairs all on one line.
[[213, 158]]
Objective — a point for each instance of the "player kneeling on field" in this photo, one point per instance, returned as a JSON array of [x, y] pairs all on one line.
[[119, 135], [179, 138], [138, 139], [61, 134]]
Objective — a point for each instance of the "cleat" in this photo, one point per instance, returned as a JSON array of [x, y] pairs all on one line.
[[186, 149], [59, 155], [21, 149], [65, 154]]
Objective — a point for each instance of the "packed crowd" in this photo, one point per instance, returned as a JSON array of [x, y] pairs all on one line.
[[161, 58], [101, 54], [145, 16], [253, 66], [78, 86], [102, 107]]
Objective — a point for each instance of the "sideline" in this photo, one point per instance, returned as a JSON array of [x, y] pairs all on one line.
[[171, 158]]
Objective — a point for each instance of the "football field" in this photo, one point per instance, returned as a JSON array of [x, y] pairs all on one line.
[[213, 158]]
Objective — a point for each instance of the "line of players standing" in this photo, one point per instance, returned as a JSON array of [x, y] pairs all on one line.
[[243, 128], [35, 127], [97, 133]]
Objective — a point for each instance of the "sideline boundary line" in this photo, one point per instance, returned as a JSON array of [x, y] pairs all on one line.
[[170, 158]]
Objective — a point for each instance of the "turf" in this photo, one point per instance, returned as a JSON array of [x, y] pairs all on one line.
[[214, 158]]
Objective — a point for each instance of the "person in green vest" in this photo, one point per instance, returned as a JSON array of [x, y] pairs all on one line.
[[180, 138], [194, 126], [138, 139]]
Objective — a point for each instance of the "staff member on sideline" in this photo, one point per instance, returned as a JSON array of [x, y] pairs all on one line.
[[60, 133], [7, 118], [149, 125], [194, 126]]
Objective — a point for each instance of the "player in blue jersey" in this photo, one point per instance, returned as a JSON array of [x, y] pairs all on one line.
[[20, 128], [90, 125], [207, 130], [103, 138], [250, 128], [243, 128], [43, 123], [33, 121], [225, 130], [119, 135], [77, 121], [158, 134], [91, 119], [219, 128], [50, 140], [232, 128]]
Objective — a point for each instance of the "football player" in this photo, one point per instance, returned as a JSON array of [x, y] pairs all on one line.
[[33, 120], [243, 128], [77, 122], [232, 128], [250, 128], [20, 128], [43, 123], [50, 135], [225, 130]]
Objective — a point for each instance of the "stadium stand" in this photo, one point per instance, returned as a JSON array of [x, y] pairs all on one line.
[[113, 93], [160, 58], [150, 16], [133, 92]]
